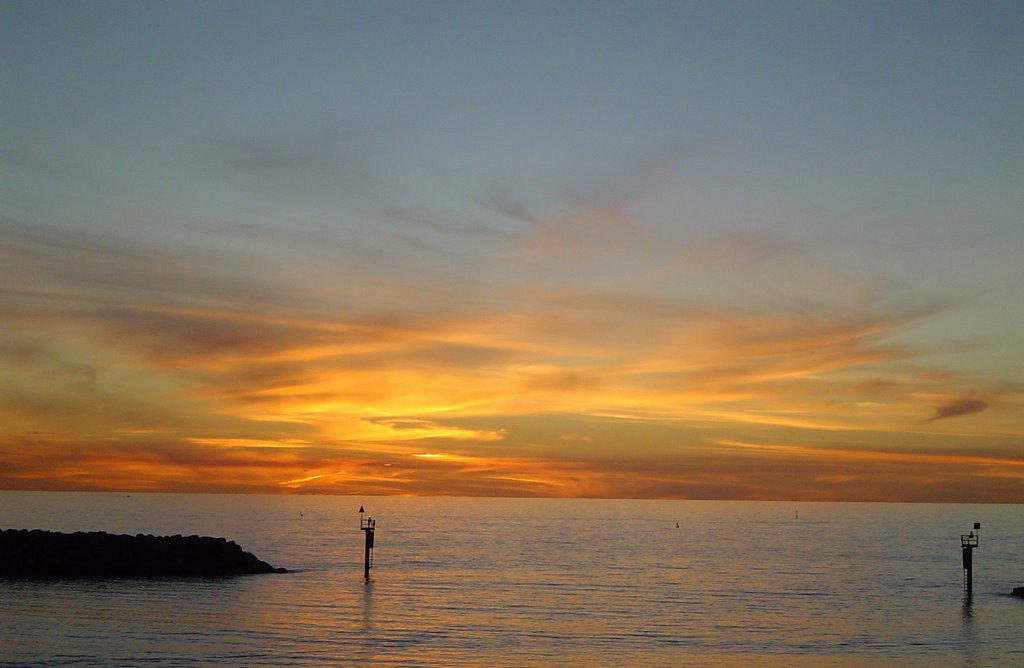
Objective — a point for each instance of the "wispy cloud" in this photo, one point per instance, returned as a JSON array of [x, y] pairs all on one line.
[[341, 360], [965, 406], [585, 222], [297, 157]]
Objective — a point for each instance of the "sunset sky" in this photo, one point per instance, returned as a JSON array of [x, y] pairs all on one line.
[[755, 250]]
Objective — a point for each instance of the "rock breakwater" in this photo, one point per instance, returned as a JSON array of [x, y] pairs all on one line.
[[37, 553]]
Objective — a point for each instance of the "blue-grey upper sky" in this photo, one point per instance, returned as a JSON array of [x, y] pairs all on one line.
[[588, 196]]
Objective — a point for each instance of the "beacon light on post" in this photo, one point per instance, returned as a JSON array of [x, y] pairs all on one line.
[[367, 524], [967, 544]]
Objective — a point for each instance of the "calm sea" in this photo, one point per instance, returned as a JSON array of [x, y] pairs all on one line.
[[528, 582]]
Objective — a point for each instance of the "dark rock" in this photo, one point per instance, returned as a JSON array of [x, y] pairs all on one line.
[[39, 553], [1018, 591]]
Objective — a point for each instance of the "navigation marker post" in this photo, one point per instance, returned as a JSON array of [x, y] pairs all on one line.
[[967, 544], [367, 525]]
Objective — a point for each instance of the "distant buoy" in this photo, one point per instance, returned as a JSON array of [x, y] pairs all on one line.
[[796, 515]]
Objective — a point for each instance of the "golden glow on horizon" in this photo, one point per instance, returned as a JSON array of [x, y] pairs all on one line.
[[530, 388]]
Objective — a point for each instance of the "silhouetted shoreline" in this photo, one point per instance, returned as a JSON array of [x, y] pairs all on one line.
[[37, 553]]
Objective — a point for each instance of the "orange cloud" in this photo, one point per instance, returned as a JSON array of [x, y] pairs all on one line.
[[805, 452], [164, 368]]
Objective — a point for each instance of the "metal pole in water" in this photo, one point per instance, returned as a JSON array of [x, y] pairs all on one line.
[[967, 544], [367, 525]]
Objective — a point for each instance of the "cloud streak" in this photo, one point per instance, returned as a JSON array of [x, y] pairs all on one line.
[[159, 366], [957, 408]]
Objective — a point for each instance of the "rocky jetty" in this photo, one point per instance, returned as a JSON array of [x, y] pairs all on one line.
[[36, 553]]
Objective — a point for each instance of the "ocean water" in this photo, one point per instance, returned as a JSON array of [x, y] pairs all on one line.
[[531, 582]]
